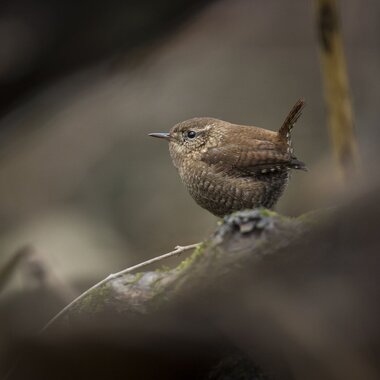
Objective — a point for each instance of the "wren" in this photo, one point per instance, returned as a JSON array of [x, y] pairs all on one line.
[[228, 167]]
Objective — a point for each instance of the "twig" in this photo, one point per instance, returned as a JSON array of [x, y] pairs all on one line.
[[177, 251]]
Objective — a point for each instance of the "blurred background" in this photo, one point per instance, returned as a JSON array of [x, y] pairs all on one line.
[[83, 191]]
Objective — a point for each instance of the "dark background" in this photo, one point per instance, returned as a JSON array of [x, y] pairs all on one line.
[[83, 83]]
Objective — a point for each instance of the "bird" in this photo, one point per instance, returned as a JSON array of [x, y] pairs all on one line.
[[228, 167]]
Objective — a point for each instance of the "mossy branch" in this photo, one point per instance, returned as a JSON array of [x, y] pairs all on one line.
[[99, 286], [258, 232]]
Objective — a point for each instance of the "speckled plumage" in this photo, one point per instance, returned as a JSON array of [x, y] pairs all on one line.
[[228, 167]]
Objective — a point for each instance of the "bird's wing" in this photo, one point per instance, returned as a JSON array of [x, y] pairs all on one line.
[[250, 157]]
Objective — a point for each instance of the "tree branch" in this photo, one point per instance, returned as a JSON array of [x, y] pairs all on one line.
[[177, 251], [337, 89]]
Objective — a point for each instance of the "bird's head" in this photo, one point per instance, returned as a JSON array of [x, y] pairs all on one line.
[[191, 137]]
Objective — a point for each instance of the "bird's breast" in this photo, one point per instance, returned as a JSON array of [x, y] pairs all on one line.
[[222, 194]]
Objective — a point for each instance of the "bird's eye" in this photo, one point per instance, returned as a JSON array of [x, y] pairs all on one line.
[[191, 134]]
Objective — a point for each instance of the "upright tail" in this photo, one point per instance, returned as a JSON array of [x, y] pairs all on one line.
[[285, 132], [291, 119]]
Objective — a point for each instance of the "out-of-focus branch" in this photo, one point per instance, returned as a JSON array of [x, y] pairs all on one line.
[[34, 271], [13, 263], [337, 91]]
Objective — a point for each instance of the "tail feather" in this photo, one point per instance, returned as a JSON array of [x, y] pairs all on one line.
[[296, 164], [291, 119]]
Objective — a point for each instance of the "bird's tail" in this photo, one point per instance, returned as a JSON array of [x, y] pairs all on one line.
[[297, 164], [291, 119], [286, 128]]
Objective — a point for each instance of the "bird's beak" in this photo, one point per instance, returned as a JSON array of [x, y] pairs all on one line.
[[162, 135]]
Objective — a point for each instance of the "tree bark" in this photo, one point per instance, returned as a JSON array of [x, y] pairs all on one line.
[[242, 239]]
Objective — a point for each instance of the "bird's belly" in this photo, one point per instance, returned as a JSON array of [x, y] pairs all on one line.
[[222, 194]]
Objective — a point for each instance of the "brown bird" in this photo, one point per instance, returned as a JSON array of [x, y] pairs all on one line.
[[228, 167]]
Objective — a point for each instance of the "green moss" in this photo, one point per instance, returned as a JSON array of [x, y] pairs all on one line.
[[273, 214], [94, 301], [192, 258], [163, 268], [316, 217], [136, 278], [268, 213], [164, 293]]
